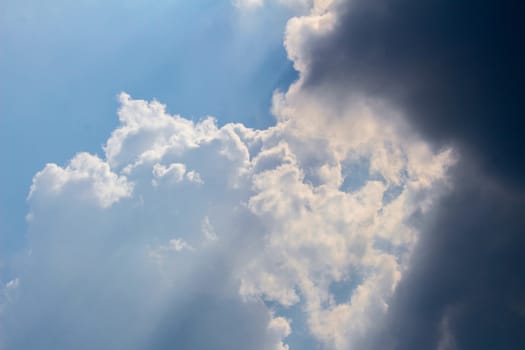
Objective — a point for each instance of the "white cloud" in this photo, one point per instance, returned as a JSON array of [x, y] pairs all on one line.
[[280, 327], [125, 238], [137, 226], [88, 175]]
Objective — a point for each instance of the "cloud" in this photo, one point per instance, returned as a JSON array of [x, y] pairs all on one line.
[[465, 286], [85, 176], [184, 232]]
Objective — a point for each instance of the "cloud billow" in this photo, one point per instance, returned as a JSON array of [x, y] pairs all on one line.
[[184, 233]]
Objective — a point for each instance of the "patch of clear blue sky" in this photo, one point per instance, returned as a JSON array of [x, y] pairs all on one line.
[[300, 338], [63, 62]]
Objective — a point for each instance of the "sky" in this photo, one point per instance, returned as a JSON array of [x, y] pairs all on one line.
[[262, 174]]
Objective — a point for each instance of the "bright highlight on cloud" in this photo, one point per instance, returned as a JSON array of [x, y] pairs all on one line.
[[186, 233]]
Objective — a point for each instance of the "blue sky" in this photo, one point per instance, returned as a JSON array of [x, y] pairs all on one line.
[[63, 63]]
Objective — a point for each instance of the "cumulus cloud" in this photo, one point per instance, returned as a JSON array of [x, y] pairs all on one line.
[[183, 219], [85, 176]]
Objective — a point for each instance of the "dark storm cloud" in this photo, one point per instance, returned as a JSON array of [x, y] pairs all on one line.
[[454, 67], [466, 282], [456, 71]]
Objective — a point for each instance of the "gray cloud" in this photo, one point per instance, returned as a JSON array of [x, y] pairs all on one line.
[[453, 67], [454, 70], [465, 281]]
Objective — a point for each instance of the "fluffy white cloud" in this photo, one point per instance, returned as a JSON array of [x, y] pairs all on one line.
[[177, 209], [119, 246], [86, 175]]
